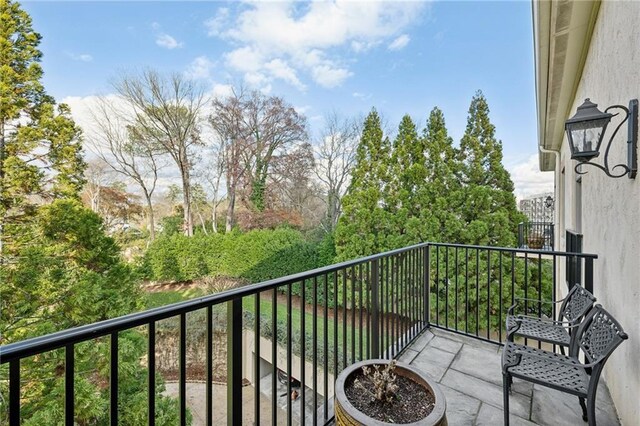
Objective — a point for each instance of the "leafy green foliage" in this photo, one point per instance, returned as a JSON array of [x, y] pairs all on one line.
[[486, 202], [364, 226], [256, 255], [71, 274], [40, 149]]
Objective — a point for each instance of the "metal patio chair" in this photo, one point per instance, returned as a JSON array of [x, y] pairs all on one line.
[[574, 307], [597, 337]]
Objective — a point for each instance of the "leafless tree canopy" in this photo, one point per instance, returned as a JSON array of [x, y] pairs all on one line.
[[335, 157], [252, 129], [134, 157], [167, 115]]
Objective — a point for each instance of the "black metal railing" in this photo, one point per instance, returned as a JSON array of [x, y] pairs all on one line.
[[472, 287], [536, 235], [309, 326], [573, 272], [370, 307]]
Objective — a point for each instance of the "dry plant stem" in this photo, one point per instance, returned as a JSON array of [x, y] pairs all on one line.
[[379, 384]]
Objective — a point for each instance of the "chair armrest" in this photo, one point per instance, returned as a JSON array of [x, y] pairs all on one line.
[[557, 361], [564, 324], [539, 301]]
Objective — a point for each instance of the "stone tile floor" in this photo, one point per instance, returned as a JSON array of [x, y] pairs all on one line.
[[469, 373]]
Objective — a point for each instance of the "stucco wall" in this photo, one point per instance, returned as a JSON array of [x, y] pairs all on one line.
[[611, 207]]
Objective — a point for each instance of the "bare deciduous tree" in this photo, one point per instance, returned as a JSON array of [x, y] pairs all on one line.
[[227, 120], [133, 156], [335, 157], [167, 114], [252, 129]]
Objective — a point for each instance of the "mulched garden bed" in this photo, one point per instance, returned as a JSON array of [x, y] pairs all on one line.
[[413, 402]]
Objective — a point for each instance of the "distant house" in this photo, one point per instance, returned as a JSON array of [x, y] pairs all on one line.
[[591, 49]]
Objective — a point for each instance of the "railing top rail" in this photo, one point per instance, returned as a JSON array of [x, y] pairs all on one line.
[[519, 250], [79, 334], [86, 332]]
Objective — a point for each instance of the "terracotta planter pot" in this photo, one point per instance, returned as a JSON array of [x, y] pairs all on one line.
[[347, 414], [536, 242]]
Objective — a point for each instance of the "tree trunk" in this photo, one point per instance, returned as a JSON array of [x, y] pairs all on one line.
[[214, 217], [230, 210], [151, 217], [186, 201]]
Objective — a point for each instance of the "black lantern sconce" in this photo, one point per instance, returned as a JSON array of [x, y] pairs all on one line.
[[548, 202], [586, 130]]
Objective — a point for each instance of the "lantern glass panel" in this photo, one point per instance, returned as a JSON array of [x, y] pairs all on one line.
[[586, 135]]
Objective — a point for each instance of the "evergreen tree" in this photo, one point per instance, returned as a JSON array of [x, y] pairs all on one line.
[[40, 150], [443, 187], [487, 205], [363, 227], [406, 194]]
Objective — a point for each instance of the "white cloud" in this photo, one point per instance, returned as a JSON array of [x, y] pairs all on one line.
[[529, 180], [303, 109], [399, 43], [216, 24], [199, 68], [362, 96], [221, 90], [280, 69], [83, 57], [327, 75], [168, 42], [306, 38]]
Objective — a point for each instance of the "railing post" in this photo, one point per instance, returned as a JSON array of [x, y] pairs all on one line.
[[588, 274], [375, 310], [234, 362], [426, 271], [14, 392]]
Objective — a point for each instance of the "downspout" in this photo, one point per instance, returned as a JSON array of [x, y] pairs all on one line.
[[556, 213]]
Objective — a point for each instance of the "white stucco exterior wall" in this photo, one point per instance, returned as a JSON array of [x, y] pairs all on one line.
[[611, 207]]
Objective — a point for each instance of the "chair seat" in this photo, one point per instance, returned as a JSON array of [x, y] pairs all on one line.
[[540, 330], [546, 372]]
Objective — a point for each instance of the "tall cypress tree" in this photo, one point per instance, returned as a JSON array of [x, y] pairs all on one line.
[[443, 188], [487, 205], [40, 150], [363, 225], [406, 195]]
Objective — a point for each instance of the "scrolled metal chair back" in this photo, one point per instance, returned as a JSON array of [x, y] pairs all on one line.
[[578, 302], [599, 335]]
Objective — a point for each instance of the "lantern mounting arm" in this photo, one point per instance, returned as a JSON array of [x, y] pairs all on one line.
[[631, 168]]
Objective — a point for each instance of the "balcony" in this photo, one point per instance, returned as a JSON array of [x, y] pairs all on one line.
[[536, 235], [438, 306]]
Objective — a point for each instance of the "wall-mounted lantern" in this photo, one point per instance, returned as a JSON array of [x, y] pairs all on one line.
[[548, 202], [586, 129]]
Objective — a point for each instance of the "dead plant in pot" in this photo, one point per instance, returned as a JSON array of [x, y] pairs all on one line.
[[381, 392]]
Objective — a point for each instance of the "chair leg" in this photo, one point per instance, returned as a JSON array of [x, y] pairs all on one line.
[[584, 409], [506, 388], [591, 409]]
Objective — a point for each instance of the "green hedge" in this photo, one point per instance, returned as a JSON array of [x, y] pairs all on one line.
[[256, 255]]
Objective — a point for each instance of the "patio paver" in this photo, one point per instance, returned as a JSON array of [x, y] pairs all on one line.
[[469, 373]]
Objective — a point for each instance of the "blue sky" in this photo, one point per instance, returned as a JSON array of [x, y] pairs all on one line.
[[400, 57]]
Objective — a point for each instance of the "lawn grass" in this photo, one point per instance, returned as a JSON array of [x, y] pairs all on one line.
[[161, 298], [266, 310]]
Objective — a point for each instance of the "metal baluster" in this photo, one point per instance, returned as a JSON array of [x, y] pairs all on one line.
[[113, 380], [289, 355], [303, 349], [446, 289], [256, 366], [488, 294], [69, 392], [14, 392], [182, 380], [151, 378], [274, 357]]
